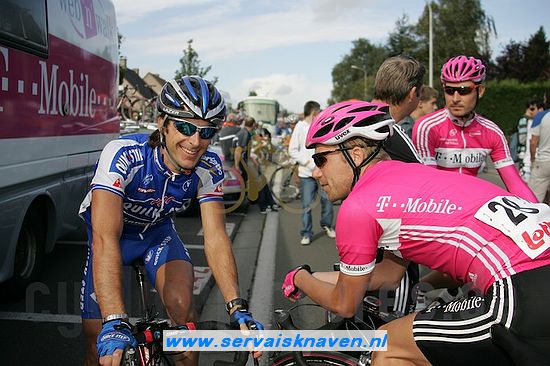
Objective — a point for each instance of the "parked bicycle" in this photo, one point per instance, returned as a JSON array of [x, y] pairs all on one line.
[[145, 109], [124, 104]]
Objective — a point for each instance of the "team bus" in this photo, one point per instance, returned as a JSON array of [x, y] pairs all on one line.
[[263, 109], [58, 90]]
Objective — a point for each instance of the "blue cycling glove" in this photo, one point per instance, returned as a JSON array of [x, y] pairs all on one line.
[[115, 334], [243, 316]]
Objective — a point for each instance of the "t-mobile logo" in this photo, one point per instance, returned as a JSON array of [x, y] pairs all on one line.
[[383, 202]]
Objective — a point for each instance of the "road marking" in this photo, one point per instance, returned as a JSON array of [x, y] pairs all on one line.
[[229, 228], [202, 276], [261, 298], [47, 318], [194, 246]]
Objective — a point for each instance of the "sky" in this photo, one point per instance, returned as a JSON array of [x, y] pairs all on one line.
[[283, 49]]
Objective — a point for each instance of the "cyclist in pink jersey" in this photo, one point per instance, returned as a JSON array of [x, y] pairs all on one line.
[[470, 229], [458, 139]]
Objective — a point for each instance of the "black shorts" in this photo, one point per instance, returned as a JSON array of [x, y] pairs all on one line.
[[459, 333]]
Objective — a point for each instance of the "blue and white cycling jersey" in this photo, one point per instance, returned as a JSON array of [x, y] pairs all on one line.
[[151, 193]]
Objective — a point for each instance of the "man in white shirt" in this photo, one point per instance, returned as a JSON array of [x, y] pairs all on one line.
[[308, 185], [539, 181]]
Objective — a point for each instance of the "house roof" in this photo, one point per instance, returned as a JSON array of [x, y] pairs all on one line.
[[133, 78]]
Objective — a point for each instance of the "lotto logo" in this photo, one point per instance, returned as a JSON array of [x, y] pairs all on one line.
[[537, 238]]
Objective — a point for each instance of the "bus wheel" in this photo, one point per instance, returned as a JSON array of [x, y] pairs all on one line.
[[29, 253]]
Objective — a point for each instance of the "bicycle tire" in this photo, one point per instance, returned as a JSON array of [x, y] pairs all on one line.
[[133, 357], [125, 109], [317, 358], [288, 197], [282, 186]]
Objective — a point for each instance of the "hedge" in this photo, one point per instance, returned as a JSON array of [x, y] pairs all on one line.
[[504, 101]]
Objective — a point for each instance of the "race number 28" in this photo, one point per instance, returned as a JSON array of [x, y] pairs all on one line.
[[526, 223], [511, 209]]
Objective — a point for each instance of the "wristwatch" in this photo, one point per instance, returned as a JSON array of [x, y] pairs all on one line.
[[122, 316], [238, 301]]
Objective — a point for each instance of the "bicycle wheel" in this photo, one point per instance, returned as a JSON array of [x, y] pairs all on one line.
[[283, 186], [317, 358], [146, 355], [125, 109]]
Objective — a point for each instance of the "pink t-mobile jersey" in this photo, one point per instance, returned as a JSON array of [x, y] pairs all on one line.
[[442, 142], [457, 224]]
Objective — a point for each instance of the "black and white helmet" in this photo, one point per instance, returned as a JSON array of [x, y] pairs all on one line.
[[192, 97]]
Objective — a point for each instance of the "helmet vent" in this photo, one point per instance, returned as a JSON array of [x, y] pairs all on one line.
[[371, 120], [323, 131], [342, 123], [364, 109]]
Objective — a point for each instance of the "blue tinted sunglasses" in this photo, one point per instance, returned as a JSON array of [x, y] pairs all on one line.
[[188, 129]]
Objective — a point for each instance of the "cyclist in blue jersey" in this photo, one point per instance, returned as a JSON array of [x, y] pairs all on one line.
[[139, 182]]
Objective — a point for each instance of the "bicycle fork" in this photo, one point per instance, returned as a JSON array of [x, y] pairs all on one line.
[[143, 300]]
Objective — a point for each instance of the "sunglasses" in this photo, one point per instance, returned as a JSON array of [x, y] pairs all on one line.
[[188, 129], [461, 90], [320, 159], [532, 109]]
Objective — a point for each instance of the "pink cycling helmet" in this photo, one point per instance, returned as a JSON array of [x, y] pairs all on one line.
[[344, 120], [463, 68]]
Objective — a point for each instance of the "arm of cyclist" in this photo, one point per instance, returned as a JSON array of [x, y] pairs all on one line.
[[344, 296], [515, 184], [424, 143], [220, 258], [107, 224], [501, 157]]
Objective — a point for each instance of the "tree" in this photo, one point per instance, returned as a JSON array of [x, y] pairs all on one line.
[[460, 27], [525, 62], [509, 63], [348, 83], [404, 39], [537, 57], [121, 68], [191, 64]]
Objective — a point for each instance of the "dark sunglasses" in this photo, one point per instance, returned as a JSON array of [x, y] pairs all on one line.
[[462, 90], [188, 129], [320, 159], [532, 109]]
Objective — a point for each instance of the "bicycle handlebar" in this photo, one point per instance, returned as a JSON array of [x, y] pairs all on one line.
[[152, 332]]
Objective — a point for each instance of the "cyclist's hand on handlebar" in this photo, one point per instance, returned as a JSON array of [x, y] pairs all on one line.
[[114, 337], [290, 291], [242, 318]]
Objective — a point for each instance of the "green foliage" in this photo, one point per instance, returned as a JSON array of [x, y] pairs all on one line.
[[504, 101], [121, 70], [348, 83], [403, 40], [459, 27], [191, 65], [525, 62]]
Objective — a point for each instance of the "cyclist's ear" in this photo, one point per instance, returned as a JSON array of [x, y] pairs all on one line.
[[160, 122]]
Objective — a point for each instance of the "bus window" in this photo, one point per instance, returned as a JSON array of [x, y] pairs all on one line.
[[23, 25]]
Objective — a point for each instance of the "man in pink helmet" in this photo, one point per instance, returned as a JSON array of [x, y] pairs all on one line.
[[458, 139], [475, 231]]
